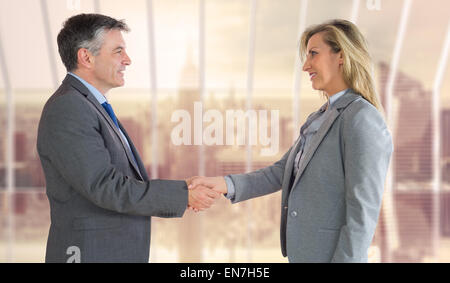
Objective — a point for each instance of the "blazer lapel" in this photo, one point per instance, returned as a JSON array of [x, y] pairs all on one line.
[[82, 89], [289, 170], [335, 111], [315, 141]]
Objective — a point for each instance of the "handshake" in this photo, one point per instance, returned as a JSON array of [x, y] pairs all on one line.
[[204, 191]]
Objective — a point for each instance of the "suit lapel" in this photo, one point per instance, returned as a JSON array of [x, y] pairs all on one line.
[[105, 115], [82, 89], [140, 165], [334, 112]]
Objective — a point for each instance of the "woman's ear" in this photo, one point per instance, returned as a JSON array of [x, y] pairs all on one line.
[[341, 58]]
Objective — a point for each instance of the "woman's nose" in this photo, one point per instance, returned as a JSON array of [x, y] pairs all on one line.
[[306, 65]]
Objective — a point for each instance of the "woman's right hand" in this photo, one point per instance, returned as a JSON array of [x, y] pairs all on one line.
[[218, 184]]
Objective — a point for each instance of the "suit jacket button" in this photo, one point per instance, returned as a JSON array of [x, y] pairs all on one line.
[[294, 213]]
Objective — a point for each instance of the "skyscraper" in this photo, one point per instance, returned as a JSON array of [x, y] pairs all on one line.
[[184, 163], [412, 131], [412, 128], [445, 145]]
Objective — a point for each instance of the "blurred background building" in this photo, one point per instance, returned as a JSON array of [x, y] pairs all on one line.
[[233, 55]]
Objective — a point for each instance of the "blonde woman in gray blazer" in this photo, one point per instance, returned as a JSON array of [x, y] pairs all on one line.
[[332, 178]]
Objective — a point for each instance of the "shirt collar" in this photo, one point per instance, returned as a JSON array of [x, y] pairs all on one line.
[[332, 100], [336, 96], [97, 94]]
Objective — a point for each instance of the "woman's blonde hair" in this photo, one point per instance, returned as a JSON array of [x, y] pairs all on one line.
[[342, 35]]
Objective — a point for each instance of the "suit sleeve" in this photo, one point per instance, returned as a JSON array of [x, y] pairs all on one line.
[[261, 182], [367, 150], [74, 145]]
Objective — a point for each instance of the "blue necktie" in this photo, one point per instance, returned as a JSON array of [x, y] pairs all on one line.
[[110, 111]]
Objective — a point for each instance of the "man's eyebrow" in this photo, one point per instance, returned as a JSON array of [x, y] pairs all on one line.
[[118, 47]]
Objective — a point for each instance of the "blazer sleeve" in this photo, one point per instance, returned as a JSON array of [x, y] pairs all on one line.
[[73, 144], [261, 182], [367, 146]]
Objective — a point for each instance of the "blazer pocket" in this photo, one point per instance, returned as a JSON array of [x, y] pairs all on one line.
[[328, 230], [96, 223]]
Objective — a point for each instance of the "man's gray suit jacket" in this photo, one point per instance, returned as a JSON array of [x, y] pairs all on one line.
[[330, 208], [101, 202]]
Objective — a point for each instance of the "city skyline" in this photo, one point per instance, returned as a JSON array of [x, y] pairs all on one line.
[[136, 107]]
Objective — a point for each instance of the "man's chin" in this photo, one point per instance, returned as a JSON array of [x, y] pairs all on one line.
[[120, 83]]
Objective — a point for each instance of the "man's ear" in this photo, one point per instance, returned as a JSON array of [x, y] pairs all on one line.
[[85, 58]]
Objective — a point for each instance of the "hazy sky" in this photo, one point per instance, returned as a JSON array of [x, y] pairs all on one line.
[[24, 42]]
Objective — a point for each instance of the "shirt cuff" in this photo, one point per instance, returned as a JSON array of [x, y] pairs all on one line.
[[230, 187]]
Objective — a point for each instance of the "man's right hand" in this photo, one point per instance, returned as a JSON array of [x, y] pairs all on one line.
[[218, 184], [200, 197]]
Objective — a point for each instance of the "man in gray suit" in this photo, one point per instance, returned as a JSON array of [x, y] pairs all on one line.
[[101, 199]]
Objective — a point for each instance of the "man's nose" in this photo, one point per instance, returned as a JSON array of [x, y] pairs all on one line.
[[126, 59]]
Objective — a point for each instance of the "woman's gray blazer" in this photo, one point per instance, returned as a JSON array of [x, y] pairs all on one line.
[[329, 210]]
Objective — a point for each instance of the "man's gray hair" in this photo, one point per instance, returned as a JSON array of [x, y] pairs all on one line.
[[84, 31], [95, 43]]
